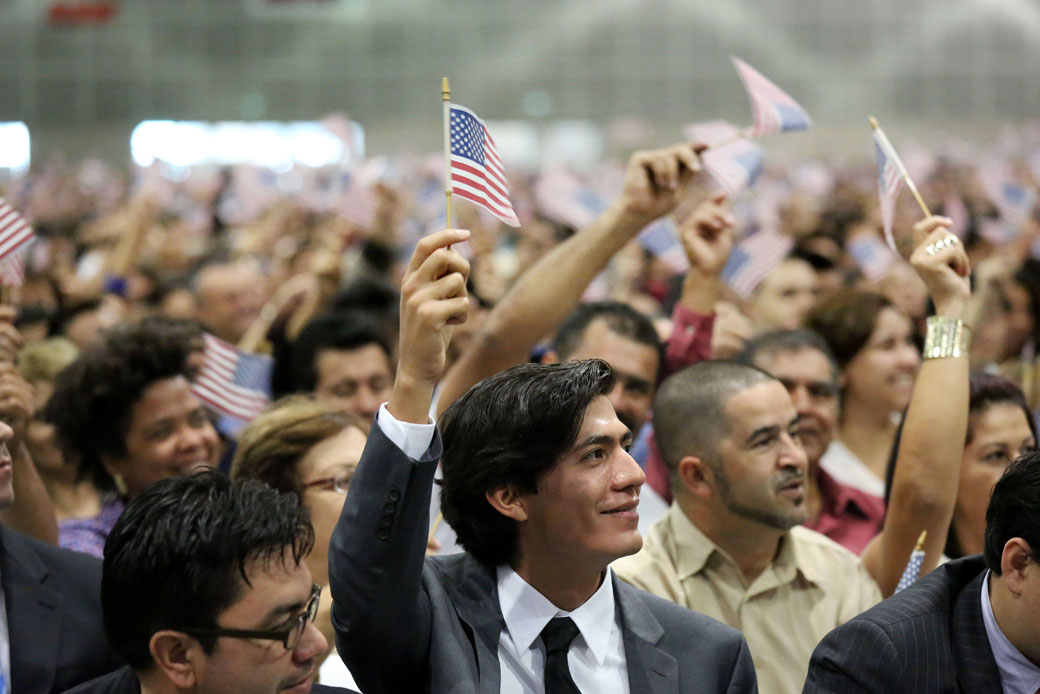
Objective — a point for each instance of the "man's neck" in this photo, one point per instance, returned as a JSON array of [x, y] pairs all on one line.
[[1015, 622], [564, 583], [752, 545]]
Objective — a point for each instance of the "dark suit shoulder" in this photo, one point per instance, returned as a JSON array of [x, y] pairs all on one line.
[[932, 595], [121, 681]]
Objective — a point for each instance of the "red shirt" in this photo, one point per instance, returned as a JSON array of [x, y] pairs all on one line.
[[848, 516]]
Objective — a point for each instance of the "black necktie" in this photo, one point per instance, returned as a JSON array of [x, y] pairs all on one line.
[[557, 636]]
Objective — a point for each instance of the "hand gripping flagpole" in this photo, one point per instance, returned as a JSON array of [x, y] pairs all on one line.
[[891, 152], [446, 98]]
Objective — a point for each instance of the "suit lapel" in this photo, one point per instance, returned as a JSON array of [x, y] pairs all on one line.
[[33, 612], [475, 598], [651, 670], [976, 669]]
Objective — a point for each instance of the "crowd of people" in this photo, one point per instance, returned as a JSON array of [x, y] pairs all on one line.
[[555, 458]]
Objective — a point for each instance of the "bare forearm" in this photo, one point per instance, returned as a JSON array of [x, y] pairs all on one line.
[[924, 486]]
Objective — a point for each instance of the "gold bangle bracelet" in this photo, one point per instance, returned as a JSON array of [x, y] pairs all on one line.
[[946, 338]]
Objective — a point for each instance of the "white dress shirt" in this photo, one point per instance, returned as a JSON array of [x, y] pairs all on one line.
[[1017, 674], [596, 657]]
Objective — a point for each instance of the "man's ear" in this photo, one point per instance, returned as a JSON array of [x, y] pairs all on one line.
[[178, 657], [1015, 561], [697, 477], [550, 356], [508, 502]]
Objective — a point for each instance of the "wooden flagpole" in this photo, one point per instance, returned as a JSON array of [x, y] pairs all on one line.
[[446, 99], [891, 152]]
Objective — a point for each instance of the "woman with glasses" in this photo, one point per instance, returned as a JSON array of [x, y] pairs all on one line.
[[309, 447]]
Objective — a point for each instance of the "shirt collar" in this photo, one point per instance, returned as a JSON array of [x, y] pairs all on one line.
[[841, 500], [694, 549], [1017, 674], [526, 612]]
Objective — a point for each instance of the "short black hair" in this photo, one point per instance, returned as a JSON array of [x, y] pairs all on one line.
[[510, 430], [1014, 510], [181, 551], [93, 397], [336, 330], [620, 318], [777, 342]]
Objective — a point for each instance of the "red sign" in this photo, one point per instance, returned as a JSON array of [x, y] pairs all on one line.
[[79, 12]]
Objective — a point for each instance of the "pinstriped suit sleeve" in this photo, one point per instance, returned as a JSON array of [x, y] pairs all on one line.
[[856, 657]]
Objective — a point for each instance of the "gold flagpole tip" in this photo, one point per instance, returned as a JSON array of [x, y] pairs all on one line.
[[920, 540], [873, 122], [445, 89]]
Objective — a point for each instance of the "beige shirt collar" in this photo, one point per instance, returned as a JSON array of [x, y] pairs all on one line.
[[694, 550]]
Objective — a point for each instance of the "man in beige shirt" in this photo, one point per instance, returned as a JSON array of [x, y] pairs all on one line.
[[731, 546]]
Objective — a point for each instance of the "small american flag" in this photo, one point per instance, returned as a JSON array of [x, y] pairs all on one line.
[[1014, 200], [476, 170], [12, 268], [661, 240], [913, 567], [754, 258], [773, 109], [232, 382], [873, 257], [735, 165], [890, 180], [15, 232]]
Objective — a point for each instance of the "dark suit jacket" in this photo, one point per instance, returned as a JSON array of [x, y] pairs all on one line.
[[409, 624], [53, 600], [926, 639], [124, 681]]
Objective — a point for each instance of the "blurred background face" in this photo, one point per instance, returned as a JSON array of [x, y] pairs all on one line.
[[808, 377], [785, 296], [357, 381], [1000, 434], [881, 375]]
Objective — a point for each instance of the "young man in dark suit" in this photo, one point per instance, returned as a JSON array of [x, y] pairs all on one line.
[[968, 626], [51, 622], [540, 488], [205, 590]]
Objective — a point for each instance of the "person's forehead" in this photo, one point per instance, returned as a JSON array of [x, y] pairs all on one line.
[[790, 271], [806, 364], [764, 404], [624, 354], [361, 362], [165, 398]]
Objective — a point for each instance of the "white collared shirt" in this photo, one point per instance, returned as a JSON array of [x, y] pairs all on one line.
[[1017, 674], [596, 657]]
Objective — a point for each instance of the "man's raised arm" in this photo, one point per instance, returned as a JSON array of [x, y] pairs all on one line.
[[542, 297], [381, 617]]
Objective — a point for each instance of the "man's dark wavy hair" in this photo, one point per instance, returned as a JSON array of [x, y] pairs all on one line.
[[510, 430]]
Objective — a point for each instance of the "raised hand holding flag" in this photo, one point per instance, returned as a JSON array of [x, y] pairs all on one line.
[[475, 171]]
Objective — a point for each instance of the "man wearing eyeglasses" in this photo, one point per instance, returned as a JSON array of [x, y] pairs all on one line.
[[204, 589]]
